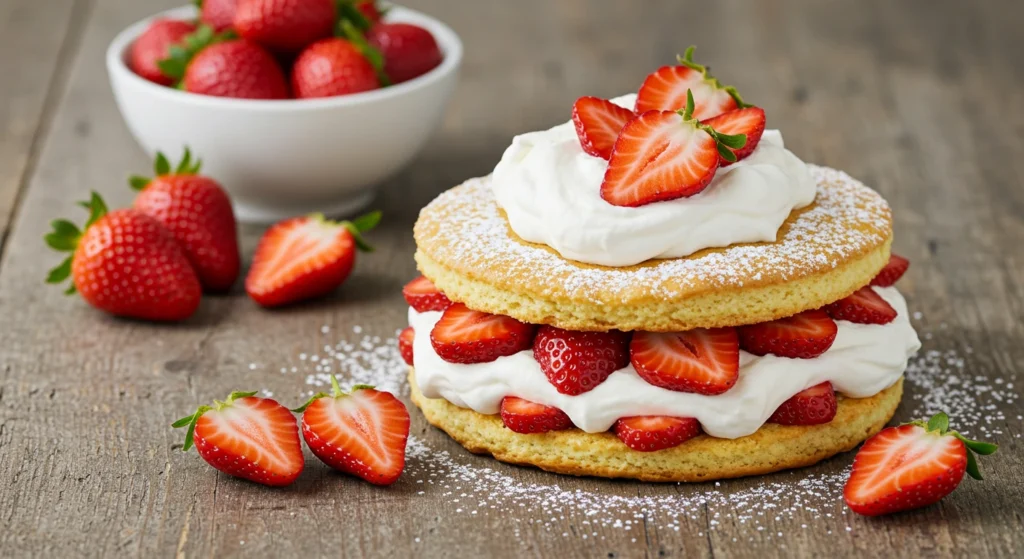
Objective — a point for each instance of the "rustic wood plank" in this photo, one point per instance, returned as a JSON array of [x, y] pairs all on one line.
[[920, 99]]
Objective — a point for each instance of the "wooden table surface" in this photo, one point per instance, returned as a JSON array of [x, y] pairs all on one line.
[[923, 100]]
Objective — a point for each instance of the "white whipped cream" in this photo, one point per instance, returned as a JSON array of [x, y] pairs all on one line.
[[864, 360], [550, 190]]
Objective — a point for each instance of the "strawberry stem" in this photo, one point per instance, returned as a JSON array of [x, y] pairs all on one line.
[[723, 142], [939, 424], [687, 60], [66, 236], [162, 166], [190, 420]]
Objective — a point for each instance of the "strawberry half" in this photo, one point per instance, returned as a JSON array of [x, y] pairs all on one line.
[[748, 122], [802, 336], [813, 406], [405, 340], [863, 307], [911, 466], [423, 296], [576, 362], [305, 257], [598, 123], [892, 272], [664, 155], [647, 433], [463, 335], [248, 437], [705, 361], [524, 416], [362, 433], [666, 90]]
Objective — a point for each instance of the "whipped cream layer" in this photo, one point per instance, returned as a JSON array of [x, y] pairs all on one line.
[[550, 190], [864, 360]]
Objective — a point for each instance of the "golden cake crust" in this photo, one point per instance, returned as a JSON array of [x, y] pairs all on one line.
[[823, 253], [575, 452]]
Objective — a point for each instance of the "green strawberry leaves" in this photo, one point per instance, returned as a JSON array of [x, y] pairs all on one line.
[[190, 420], [162, 166], [687, 60], [723, 142], [66, 236], [351, 31], [336, 392], [356, 227], [939, 424]]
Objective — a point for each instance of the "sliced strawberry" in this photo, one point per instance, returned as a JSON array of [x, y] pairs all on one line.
[[463, 335], [863, 307], [665, 90], [705, 361], [813, 406], [422, 295], [892, 271], [405, 340], [598, 123], [524, 416], [647, 433], [911, 466], [361, 433], [748, 121], [252, 438], [802, 336], [576, 362]]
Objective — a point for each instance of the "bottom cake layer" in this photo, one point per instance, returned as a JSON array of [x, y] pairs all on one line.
[[770, 449]]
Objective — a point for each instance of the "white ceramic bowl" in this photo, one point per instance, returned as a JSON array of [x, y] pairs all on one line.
[[283, 158]]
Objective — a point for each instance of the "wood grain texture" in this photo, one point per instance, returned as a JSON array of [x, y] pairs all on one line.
[[924, 100]]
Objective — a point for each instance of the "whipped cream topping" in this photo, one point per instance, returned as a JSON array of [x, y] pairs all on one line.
[[864, 360], [550, 190]]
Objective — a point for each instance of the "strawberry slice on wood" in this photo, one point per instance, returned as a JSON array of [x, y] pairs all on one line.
[[405, 340], [524, 416], [422, 295], [248, 437], [465, 336], [598, 123], [911, 466], [813, 406], [576, 362], [801, 336], [648, 433], [749, 121], [666, 90], [664, 155], [892, 272], [704, 361], [865, 306]]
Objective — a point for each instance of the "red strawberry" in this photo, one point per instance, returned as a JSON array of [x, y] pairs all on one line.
[[813, 406], [305, 257], [463, 335], [802, 336], [662, 155], [409, 50], [863, 307], [252, 438], [154, 45], [911, 466], [125, 263], [405, 340], [647, 433], [332, 67], [422, 295], [285, 25], [211, 64], [892, 271], [748, 121], [665, 90], [218, 14], [598, 123], [197, 211], [576, 362], [362, 433], [524, 416], [705, 361]]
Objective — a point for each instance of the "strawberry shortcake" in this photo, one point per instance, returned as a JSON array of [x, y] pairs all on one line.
[[658, 289]]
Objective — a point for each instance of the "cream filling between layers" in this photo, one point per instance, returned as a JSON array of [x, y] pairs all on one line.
[[864, 360]]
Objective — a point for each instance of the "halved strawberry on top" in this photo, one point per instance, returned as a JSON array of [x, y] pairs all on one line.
[[749, 121], [665, 90], [424, 296], [812, 406], [524, 416], [892, 272], [598, 123], [702, 360], [465, 336], [801, 336], [648, 433], [864, 306]]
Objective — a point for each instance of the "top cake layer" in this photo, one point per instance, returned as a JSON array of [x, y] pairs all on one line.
[[823, 252]]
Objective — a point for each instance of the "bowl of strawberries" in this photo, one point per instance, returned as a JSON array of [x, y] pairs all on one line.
[[297, 105]]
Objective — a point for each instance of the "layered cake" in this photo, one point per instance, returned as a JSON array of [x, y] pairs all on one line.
[[658, 289]]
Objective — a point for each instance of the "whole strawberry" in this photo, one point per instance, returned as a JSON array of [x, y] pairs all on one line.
[[332, 67], [214, 64], [125, 263], [285, 25], [154, 45], [409, 50], [218, 14], [197, 211]]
